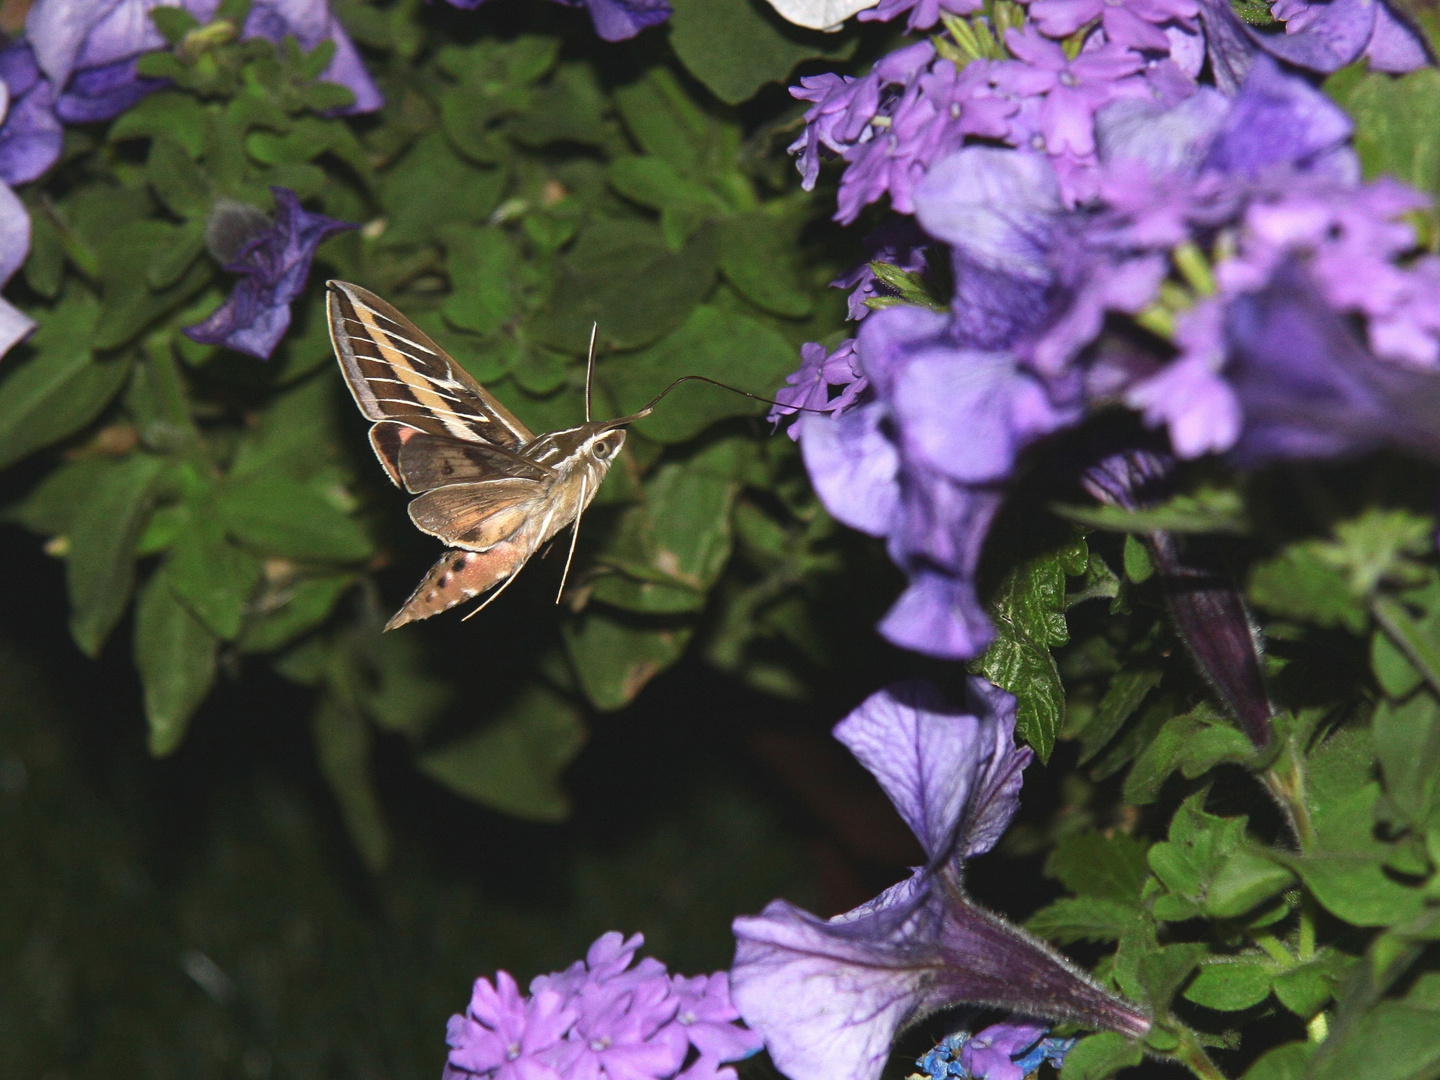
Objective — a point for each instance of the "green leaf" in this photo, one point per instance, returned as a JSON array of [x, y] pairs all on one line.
[[514, 763], [1083, 918], [1396, 1040], [343, 743], [100, 561], [1243, 881], [1397, 676], [1029, 614], [53, 387], [1407, 743], [51, 507], [568, 108], [1106, 867], [1288, 1062], [757, 256], [178, 181], [735, 47], [1305, 989], [289, 518], [653, 182], [718, 344], [1392, 132], [1230, 985], [45, 265], [622, 275], [289, 610], [483, 268], [1097, 1056], [665, 122], [615, 658], [1126, 692], [1136, 557], [413, 213], [1206, 510], [175, 655], [129, 304], [1198, 845], [1356, 888], [1193, 743], [170, 113], [1300, 584], [1165, 970], [212, 575]]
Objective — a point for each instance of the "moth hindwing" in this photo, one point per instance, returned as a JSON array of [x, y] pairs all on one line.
[[488, 487]]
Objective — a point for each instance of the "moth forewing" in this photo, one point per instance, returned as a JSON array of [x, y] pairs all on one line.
[[486, 486]]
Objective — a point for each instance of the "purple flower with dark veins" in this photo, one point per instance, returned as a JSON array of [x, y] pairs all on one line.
[[274, 265], [830, 995]]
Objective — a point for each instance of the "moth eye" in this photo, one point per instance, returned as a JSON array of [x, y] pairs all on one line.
[[603, 450]]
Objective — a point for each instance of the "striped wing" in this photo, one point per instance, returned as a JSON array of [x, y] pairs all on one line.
[[478, 516], [407, 384]]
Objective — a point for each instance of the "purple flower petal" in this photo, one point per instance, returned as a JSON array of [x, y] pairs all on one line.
[[1335, 35], [853, 466], [31, 136], [940, 614], [937, 764], [1278, 119]]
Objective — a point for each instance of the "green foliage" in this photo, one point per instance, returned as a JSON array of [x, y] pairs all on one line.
[[512, 195]]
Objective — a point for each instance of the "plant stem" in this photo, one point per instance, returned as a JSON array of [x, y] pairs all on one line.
[[1192, 1055], [1285, 780]]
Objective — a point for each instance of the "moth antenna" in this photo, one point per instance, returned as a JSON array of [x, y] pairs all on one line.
[[723, 386], [574, 539], [493, 596], [590, 371]]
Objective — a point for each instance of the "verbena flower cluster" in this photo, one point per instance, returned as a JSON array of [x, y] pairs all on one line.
[[1068, 163], [600, 1019]]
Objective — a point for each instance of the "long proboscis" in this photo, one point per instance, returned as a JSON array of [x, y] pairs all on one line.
[[650, 407]]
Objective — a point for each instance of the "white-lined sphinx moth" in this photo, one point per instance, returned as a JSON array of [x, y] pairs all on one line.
[[489, 488]]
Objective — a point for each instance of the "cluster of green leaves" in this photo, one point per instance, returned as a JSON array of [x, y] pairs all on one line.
[[510, 196], [1220, 915]]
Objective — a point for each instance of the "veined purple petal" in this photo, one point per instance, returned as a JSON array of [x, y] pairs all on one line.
[[1278, 119], [854, 466], [1335, 35], [939, 614]]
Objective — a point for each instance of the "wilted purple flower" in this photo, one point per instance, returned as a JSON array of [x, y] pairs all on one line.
[[31, 136], [88, 48], [615, 20], [830, 995], [275, 265]]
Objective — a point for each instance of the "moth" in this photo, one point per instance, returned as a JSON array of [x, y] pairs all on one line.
[[492, 490]]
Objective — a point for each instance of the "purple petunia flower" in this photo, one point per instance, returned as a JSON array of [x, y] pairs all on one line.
[[89, 48], [830, 995], [600, 1019], [275, 264], [15, 325], [31, 136], [615, 20]]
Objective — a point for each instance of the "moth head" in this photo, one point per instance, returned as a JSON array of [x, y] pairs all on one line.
[[607, 446]]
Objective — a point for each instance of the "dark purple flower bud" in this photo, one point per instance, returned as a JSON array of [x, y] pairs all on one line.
[[1209, 612], [275, 264], [31, 136], [829, 996]]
